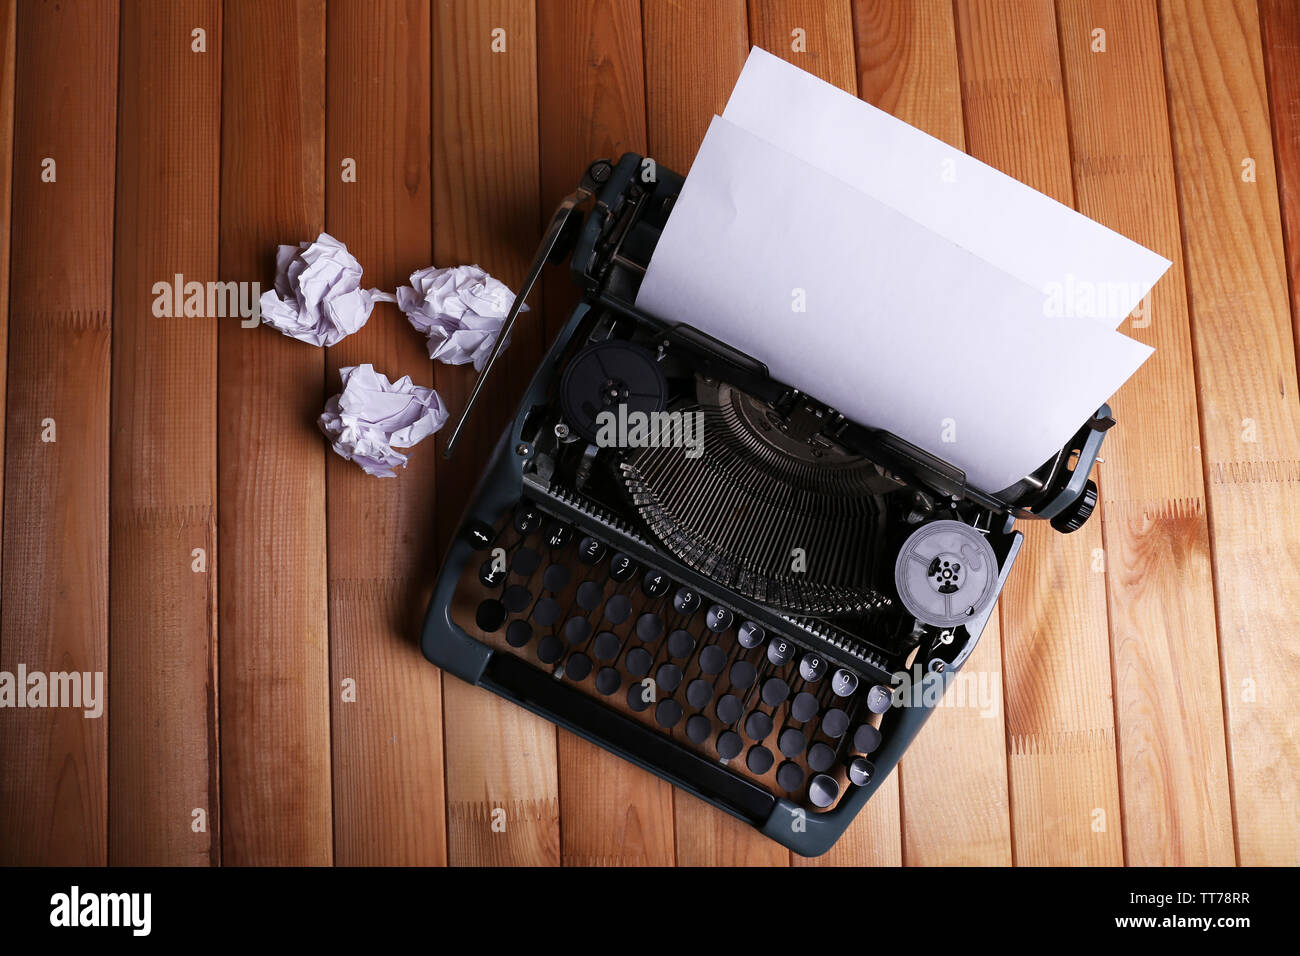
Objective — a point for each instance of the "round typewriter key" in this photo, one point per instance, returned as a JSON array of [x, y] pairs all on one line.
[[649, 627], [655, 583], [804, 706], [527, 518], [750, 634], [718, 619], [577, 667], [636, 697], [668, 712], [490, 615], [834, 723], [589, 595], [699, 693], [617, 608], [758, 725], [479, 534], [555, 578], [823, 791], [519, 633], [546, 612], [698, 728], [759, 760], [729, 745], [879, 698], [590, 550], [789, 777], [638, 662], [743, 675], [680, 644], [844, 683], [668, 677], [820, 757], [516, 598], [812, 668], [866, 739], [713, 659], [577, 630], [621, 567], [606, 646], [775, 691], [779, 651], [525, 561], [558, 535], [491, 574], [550, 649], [729, 709], [861, 770], [791, 742], [686, 600], [607, 681]]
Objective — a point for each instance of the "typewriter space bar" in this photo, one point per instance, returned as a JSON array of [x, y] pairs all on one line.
[[539, 692]]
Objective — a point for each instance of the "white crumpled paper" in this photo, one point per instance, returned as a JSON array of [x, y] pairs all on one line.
[[318, 296], [461, 309], [373, 416]]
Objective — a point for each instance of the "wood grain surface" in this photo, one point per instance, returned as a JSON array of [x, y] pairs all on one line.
[[1060, 722], [485, 157], [276, 805], [1250, 421], [1172, 760], [389, 802], [8, 22], [173, 520], [54, 789], [164, 802]]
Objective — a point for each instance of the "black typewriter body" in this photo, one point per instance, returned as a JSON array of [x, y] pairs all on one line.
[[729, 605]]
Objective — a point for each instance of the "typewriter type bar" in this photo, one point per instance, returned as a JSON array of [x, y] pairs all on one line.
[[734, 620]]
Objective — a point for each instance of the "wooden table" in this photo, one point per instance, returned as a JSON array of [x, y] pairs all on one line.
[[172, 517]]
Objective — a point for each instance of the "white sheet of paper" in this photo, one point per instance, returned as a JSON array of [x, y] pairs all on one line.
[[902, 328], [1094, 271]]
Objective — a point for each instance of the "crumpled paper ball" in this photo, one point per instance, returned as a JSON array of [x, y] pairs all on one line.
[[461, 309], [373, 417], [318, 296]]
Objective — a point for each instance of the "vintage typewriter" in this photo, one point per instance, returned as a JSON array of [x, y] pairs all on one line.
[[733, 618]]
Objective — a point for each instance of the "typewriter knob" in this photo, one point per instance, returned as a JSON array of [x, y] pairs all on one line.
[[1073, 517]]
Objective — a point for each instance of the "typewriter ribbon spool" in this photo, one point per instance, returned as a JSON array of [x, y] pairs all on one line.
[[946, 573]]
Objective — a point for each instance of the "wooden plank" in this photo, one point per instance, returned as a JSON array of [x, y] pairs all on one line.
[[389, 804], [275, 681], [953, 781], [693, 55], [8, 9], [1250, 421], [53, 792], [1280, 29], [485, 135], [592, 104], [814, 35], [818, 37], [1065, 805], [1173, 762], [163, 759]]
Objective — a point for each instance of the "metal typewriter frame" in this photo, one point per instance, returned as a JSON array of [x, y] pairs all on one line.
[[607, 261]]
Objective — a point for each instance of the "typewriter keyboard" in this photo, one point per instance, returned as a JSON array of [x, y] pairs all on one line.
[[660, 652]]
